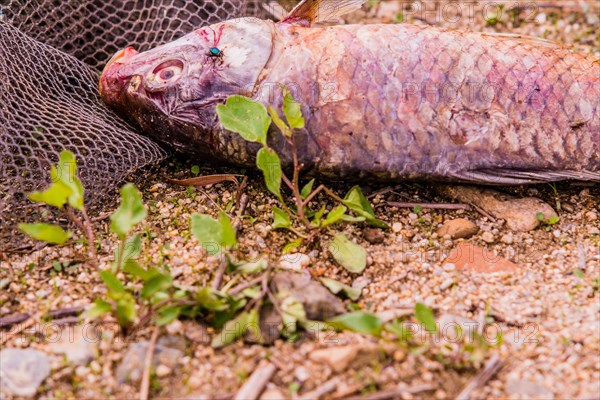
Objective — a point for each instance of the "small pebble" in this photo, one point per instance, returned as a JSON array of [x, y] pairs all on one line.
[[507, 238], [397, 227], [488, 237], [162, 371]]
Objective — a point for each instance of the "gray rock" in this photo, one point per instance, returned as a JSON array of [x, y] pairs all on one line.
[[131, 367], [22, 371], [270, 326], [523, 388], [520, 214], [318, 302], [78, 343]]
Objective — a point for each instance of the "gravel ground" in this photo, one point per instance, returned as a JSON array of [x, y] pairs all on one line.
[[547, 311]]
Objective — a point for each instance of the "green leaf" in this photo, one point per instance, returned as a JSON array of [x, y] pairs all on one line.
[[246, 117], [336, 287], [131, 211], [125, 310], [213, 235], [334, 216], [293, 111], [132, 267], [348, 254], [48, 233], [269, 163], [279, 123], [402, 332], [307, 189], [318, 217], [112, 282], [425, 316], [359, 321], [56, 195], [281, 219], [208, 232], [357, 202], [168, 315], [292, 312], [99, 308], [209, 300], [234, 329], [195, 170], [66, 186], [156, 284], [294, 244], [228, 238], [67, 174], [252, 267]]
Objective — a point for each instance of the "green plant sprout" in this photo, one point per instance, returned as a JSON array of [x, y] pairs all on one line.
[[66, 194], [251, 120]]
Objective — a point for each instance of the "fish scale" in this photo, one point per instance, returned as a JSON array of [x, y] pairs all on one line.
[[381, 102], [488, 111]]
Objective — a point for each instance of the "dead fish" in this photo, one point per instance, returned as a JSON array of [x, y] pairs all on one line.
[[383, 102]]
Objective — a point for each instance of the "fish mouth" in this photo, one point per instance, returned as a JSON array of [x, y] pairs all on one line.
[[114, 79]]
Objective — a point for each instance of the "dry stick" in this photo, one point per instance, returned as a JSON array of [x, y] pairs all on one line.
[[257, 382], [11, 320], [394, 393], [243, 286], [440, 206], [322, 390], [216, 285], [145, 385], [483, 212], [493, 365]]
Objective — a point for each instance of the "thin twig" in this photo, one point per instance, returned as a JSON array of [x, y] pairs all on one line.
[[322, 390], [243, 286], [493, 365], [257, 382], [216, 285], [394, 393], [311, 196], [483, 212], [431, 206], [11, 320], [87, 230], [145, 385]]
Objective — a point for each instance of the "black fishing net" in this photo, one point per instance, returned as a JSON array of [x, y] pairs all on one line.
[[50, 55]]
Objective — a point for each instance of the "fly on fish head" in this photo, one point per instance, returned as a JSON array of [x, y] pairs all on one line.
[[172, 91]]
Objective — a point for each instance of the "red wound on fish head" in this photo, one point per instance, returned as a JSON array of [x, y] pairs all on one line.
[[113, 80]]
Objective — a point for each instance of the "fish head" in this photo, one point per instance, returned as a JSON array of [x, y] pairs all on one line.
[[172, 91]]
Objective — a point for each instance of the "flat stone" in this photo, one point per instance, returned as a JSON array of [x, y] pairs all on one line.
[[523, 388], [318, 302], [373, 235], [131, 367], [340, 358], [196, 332], [467, 256], [270, 324], [78, 343], [294, 262], [459, 228], [520, 214], [22, 371]]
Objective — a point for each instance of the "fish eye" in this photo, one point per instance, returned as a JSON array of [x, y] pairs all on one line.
[[168, 71]]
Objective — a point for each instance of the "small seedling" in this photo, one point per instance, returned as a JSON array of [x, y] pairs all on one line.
[[251, 120]]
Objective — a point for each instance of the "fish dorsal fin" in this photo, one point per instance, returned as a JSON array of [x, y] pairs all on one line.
[[523, 38], [313, 11]]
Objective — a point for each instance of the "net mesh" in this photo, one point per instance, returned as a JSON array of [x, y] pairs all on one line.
[[50, 55]]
